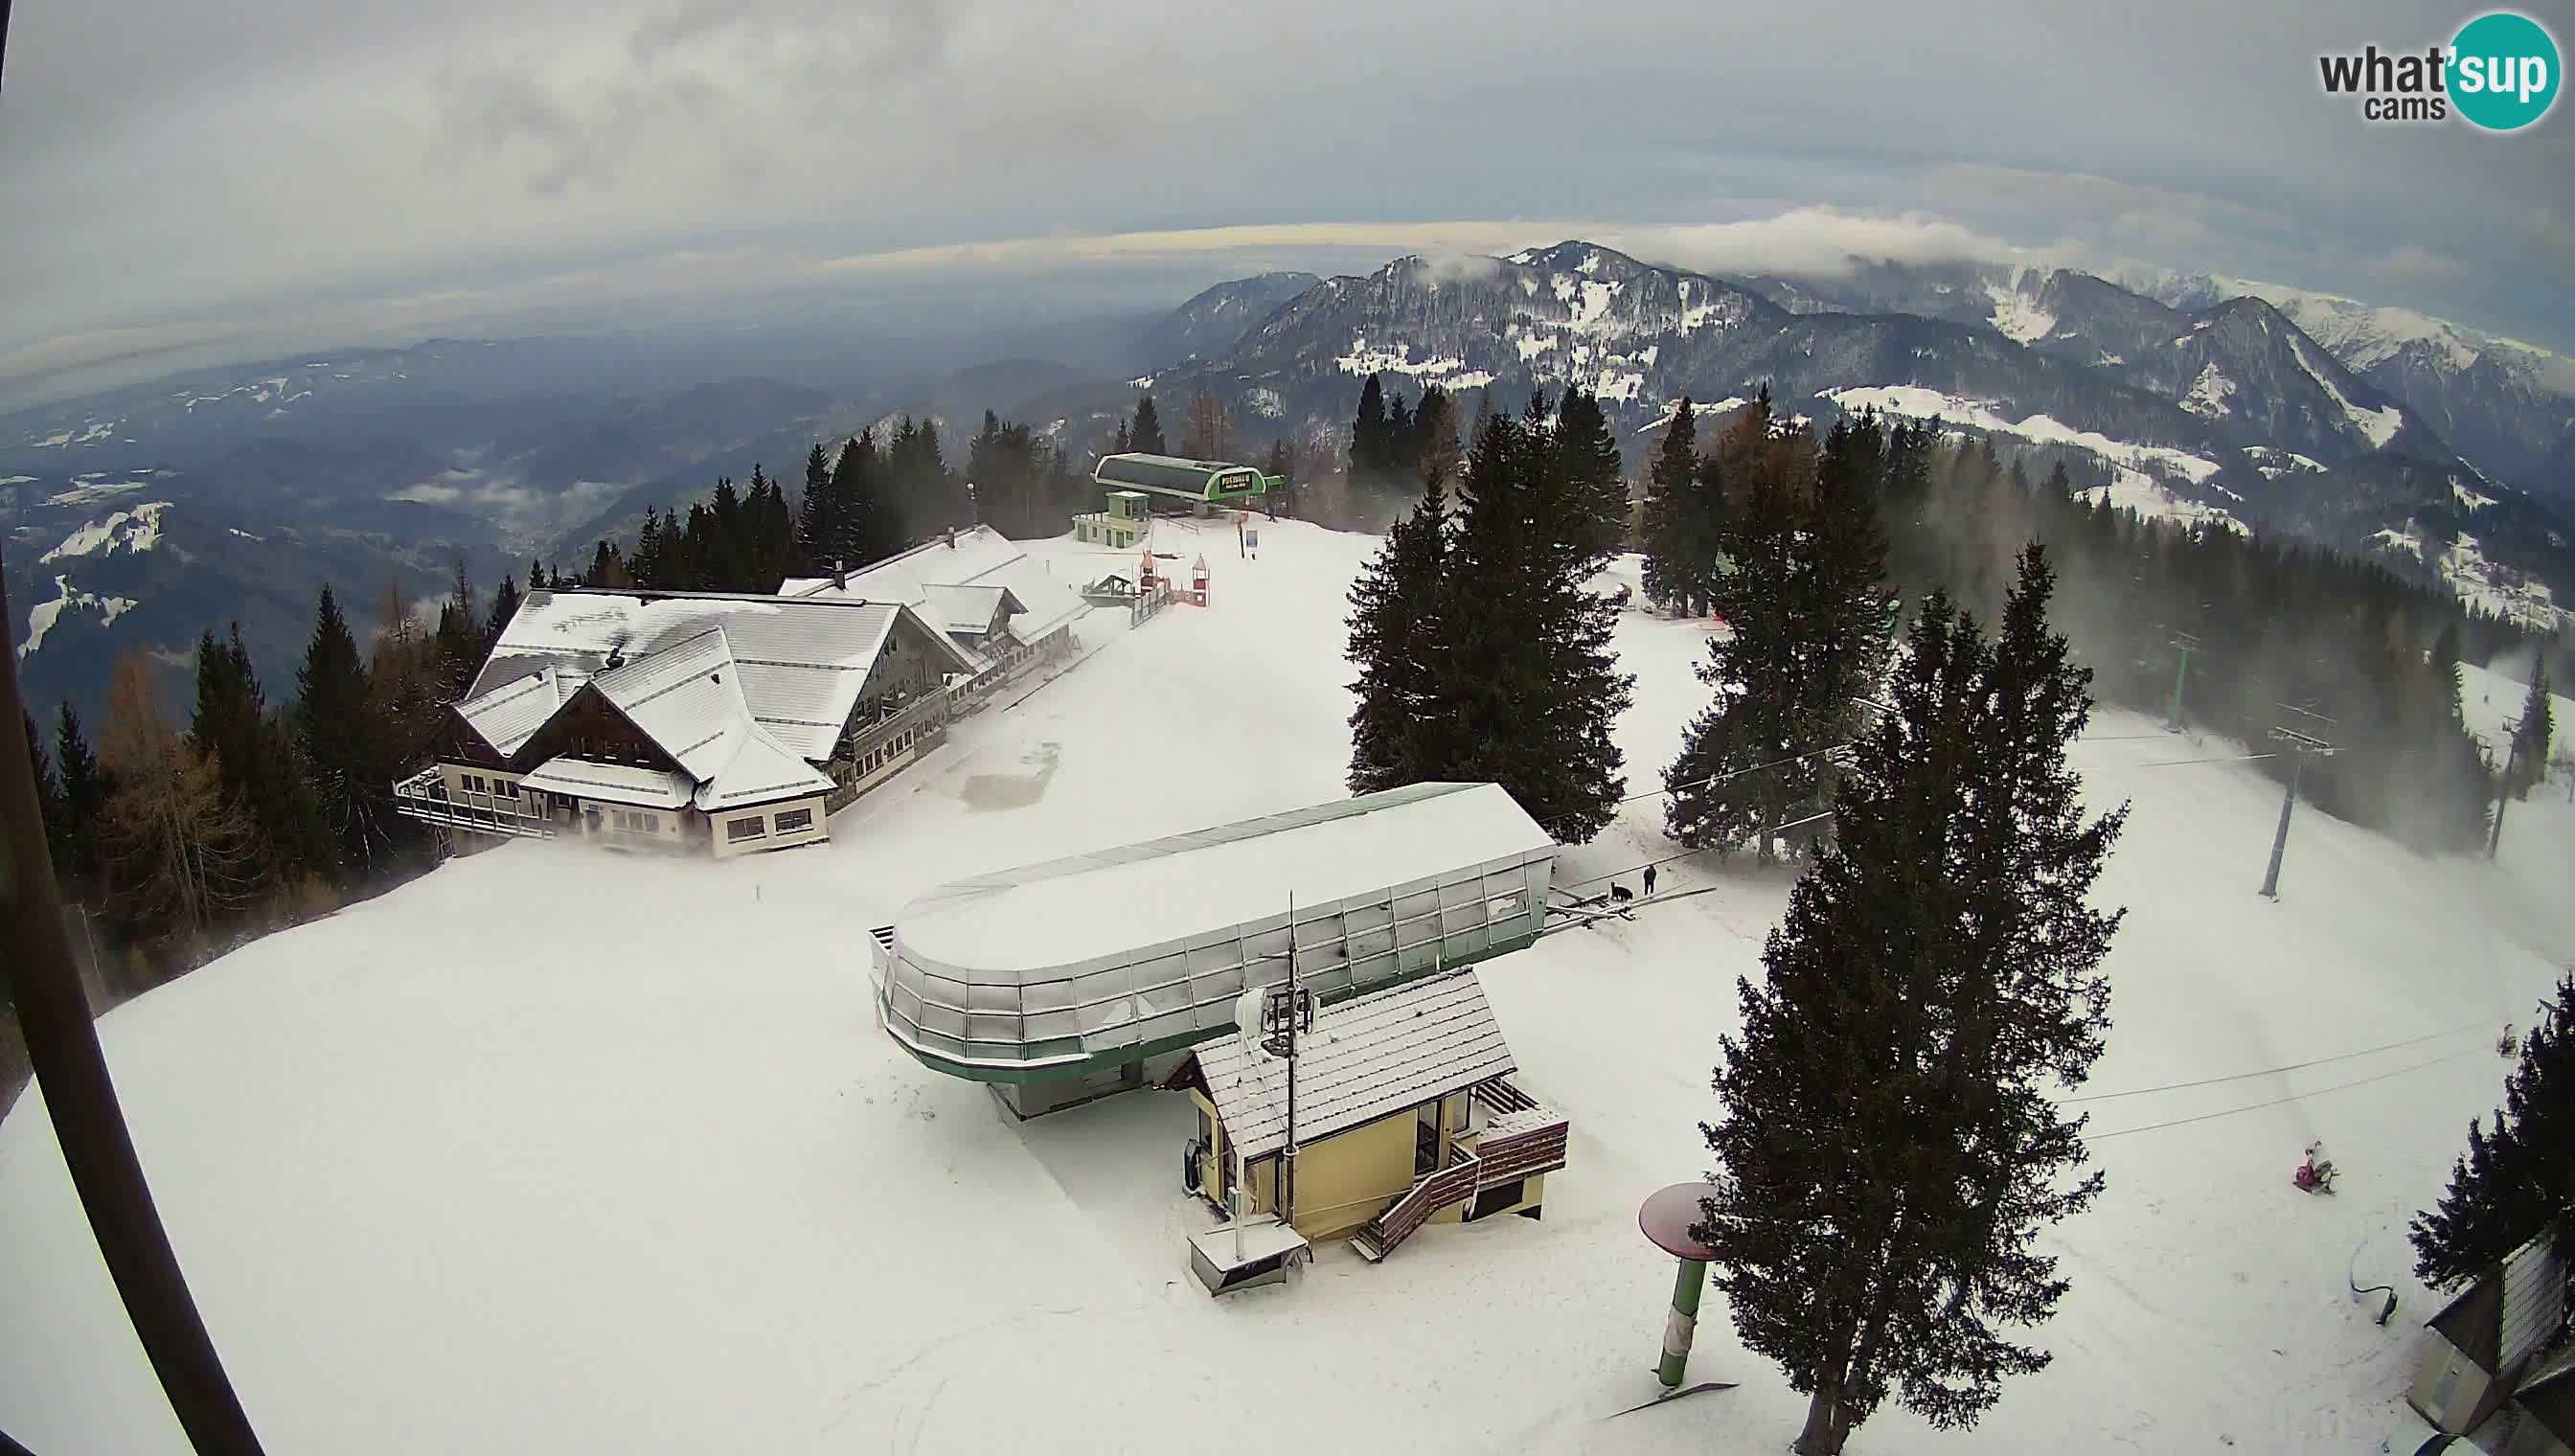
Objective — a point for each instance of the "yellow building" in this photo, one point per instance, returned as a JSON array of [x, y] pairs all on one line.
[[1405, 1117]]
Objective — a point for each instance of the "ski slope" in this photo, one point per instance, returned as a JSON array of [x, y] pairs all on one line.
[[555, 1149]]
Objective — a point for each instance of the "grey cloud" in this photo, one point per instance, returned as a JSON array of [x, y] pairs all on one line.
[[305, 157]]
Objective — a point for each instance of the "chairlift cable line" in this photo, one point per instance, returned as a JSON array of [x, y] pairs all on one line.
[[2274, 1071], [2292, 1097]]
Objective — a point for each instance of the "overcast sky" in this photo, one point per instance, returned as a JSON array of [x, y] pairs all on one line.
[[183, 179]]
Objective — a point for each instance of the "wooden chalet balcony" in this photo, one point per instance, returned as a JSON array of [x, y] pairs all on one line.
[[922, 710], [1520, 1139], [424, 797]]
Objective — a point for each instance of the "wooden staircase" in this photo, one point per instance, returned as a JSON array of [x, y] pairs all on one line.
[[1522, 1140], [1453, 1185]]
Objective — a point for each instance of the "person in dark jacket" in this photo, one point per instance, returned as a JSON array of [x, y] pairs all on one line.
[[1650, 880]]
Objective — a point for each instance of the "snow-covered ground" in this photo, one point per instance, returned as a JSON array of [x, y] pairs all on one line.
[[556, 1151]]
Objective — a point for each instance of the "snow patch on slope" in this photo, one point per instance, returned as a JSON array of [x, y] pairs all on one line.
[[1673, 410], [2380, 426], [42, 617], [138, 530], [1362, 360], [2208, 393], [1917, 402], [2471, 499], [2016, 316]]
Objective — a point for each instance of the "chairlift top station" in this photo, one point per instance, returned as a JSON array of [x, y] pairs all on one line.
[[1198, 482], [1057, 982]]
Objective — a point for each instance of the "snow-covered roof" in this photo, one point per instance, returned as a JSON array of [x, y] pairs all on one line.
[[969, 610], [506, 715], [760, 771], [611, 782], [976, 556], [2534, 1299], [1262, 1238], [2508, 1316], [800, 661], [689, 697], [1024, 924], [1366, 1059]]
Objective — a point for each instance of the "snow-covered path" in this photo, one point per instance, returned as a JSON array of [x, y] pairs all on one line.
[[557, 1150]]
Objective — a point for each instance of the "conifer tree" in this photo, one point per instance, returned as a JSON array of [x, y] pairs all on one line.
[[1530, 688], [460, 637], [1442, 454], [1398, 642], [336, 718], [1147, 436], [1403, 440], [607, 568], [868, 524], [1672, 531], [2532, 734], [86, 786], [2518, 1179], [49, 796], [1590, 455], [1890, 1148], [1372, 454], [812, 509], [505, 604], [1747, 764]]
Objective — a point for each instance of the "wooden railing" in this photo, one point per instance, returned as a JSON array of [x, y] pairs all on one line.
[[1455, 1183], [1518, 1155], [1523, 1140]]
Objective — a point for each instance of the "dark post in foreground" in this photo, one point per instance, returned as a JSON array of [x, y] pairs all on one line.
[[62, 1043]]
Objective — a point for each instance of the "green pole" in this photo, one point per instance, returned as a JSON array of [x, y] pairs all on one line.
[[2180, 676], [1683, 1323]]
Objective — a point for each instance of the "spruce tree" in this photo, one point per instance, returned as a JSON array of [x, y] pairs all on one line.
[[86, 786], [505, 604], [1530, 689], [1591, 456], [1673, 531], [1370, 453], [1747, 764], [1890, 1148], [1442, 454], [2518, 1179], [1147, 436], [336, 718], [460, 637], [867, 525], [49, 796], [1397, 642], [812, 509], [2532, 734], [1844, 606]]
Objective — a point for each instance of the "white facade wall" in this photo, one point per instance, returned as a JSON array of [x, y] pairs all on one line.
[[750, 831]]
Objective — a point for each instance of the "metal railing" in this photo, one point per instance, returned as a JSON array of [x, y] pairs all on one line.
[[424, 797]]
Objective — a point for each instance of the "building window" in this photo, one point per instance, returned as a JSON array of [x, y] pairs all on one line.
[[750, 828], [505, 789], [794, 819], [634, 821]]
